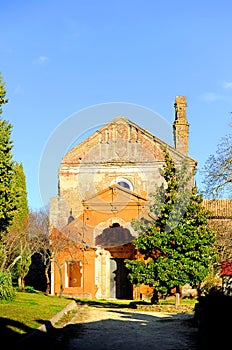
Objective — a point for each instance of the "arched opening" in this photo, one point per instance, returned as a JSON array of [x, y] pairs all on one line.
[[123, 184], [114, 235], [121, 181]]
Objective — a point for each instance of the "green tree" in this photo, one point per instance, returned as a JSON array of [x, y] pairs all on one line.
[[12, 241], [18, 255], [7, 197], [15, 242], [19, 186], [178, 247], [3, 100], [7, 203]]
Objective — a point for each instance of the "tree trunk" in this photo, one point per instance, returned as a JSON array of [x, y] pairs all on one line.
[[178, 295], [48, 283], [155, 297], [23, 284], [61, 279]]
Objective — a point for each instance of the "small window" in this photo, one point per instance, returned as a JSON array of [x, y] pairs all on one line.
[[124, 183]]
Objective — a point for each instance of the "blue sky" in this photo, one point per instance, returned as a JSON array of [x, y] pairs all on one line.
[[61, 57]]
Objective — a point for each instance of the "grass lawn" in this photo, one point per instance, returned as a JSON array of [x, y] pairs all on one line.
[[29, 309]]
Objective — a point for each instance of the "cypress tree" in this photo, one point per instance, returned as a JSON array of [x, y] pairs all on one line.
[[19, 185], [7, 172]]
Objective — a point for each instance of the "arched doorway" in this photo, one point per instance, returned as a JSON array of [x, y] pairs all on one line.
[[116, 239]]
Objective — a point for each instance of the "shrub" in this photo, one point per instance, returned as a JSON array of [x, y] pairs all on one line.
[[30, 289], [7, 291], [211, 282]]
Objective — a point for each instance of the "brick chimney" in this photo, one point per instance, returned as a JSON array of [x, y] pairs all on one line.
[[180, 125]]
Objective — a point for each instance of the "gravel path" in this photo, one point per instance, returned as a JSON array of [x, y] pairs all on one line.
[[102, 328], [114, 328]]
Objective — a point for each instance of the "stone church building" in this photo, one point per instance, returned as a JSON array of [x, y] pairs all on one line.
[[103, 184]]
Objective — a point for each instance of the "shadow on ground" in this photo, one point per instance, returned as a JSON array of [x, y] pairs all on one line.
[[121, 329], [16, 334], [208, 328]]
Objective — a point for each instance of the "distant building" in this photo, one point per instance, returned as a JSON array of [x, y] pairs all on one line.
[[103, 183]]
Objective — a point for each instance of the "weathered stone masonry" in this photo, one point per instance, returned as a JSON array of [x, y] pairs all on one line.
[[103, 184]]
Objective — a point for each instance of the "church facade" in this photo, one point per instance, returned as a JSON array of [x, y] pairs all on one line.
[[103, 184]]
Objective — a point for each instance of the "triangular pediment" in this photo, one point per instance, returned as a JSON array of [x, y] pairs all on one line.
[[111, 200], [120, 141], [114, 194]]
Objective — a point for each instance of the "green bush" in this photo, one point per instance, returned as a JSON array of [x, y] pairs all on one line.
[[211, 282], [7, 291], [30, 289]]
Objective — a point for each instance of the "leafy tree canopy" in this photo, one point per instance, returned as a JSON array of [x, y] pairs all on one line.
[[178, 247]]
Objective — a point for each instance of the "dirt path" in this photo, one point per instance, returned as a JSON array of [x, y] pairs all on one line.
[[101, 328]]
